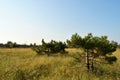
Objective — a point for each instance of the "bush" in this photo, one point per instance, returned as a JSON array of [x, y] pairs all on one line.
[[50, 47]]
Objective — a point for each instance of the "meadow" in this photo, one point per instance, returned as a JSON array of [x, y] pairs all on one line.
[[24, 64]]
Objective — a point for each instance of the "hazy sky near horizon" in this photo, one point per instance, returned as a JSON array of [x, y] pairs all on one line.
[[28, 21]]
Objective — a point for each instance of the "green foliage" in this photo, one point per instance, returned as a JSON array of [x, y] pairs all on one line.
[[105, 46], [10, 44], [87, 42], [94, 47], [110, 59], [75, 41], [37, 49], [50, 47]]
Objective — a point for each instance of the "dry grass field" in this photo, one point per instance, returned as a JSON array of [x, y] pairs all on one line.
[[24, 64]]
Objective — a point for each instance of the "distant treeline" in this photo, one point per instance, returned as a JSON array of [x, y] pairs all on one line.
[[11, 44]]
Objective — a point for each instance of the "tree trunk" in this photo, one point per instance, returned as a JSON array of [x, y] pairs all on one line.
[[48, 54], [87, 60], [92, 65]]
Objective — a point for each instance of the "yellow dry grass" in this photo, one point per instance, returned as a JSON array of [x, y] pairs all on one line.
[[24, 64]]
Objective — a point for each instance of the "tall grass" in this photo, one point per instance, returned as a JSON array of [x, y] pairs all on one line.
[[23, 64]]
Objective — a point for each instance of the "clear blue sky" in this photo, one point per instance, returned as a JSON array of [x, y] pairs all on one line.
[[28, 21]]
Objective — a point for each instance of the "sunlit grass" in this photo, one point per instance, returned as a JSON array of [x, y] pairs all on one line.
[[24, 64]]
